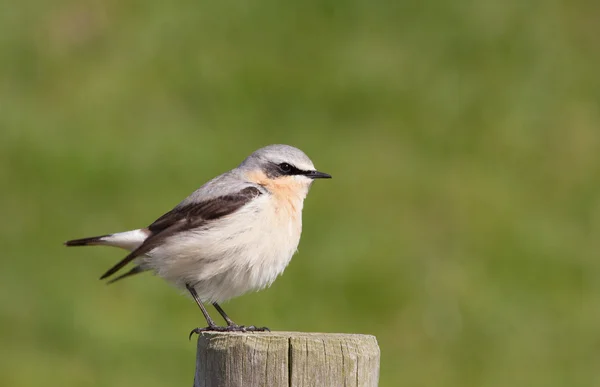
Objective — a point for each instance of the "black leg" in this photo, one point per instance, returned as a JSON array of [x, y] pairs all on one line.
[[222, 313], [211, 323], [234, 327], [231, 326]]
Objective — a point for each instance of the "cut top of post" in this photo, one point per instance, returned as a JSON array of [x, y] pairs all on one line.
[[286, 359]]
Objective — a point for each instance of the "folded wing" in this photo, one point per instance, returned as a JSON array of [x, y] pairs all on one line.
[[183, 218]]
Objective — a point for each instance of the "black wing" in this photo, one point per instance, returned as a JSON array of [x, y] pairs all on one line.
[[185, 218]]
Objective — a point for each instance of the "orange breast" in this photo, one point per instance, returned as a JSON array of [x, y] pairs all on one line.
[[288, 195]]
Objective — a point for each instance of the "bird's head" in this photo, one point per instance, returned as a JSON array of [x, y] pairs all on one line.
[[282, 169]]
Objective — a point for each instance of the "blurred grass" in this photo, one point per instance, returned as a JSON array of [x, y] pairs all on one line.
[[461, 226]]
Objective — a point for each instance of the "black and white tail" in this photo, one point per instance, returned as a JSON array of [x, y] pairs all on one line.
[[92, 241], [128, 240]]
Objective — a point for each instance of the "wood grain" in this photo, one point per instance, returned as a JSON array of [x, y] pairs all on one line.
[[286, 359]]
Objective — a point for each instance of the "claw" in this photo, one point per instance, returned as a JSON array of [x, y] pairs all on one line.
[[210, 328], [197, 331]]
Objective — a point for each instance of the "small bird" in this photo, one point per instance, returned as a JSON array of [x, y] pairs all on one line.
[[235, 234]]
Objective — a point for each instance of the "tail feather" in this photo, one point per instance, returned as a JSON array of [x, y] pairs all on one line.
[[128, 240], [92, 241], [134, 271]]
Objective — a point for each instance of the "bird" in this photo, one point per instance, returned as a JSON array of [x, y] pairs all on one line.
[[235, 234]]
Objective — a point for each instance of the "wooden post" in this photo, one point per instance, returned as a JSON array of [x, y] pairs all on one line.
[[286, 359]]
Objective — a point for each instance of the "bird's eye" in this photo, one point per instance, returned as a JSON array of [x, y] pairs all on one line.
[[285, 167]]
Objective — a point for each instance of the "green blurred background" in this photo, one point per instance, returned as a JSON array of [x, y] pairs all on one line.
[[461, 227]]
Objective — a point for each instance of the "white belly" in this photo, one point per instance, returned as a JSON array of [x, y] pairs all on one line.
[[242, 252]]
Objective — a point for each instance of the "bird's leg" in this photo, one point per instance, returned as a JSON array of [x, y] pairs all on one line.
[[211, 324], [233, 327], [222, 313]]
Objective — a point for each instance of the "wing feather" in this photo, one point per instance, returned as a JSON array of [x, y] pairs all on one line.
[[187, 217]]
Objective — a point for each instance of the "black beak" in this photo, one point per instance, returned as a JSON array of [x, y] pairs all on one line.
[[318, 175]]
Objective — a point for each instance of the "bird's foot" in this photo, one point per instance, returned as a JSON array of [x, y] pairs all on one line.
[[229, 328]]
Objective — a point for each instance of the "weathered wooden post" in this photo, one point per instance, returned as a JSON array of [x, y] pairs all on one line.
[[286, 359]]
